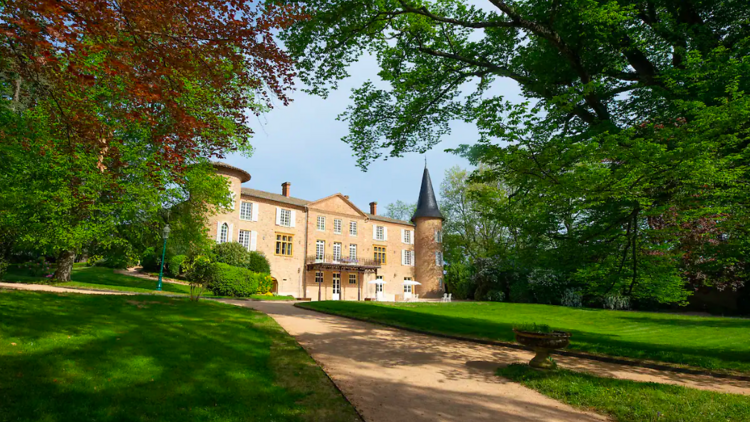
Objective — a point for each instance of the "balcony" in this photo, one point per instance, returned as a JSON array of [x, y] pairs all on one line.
[[341, 263]]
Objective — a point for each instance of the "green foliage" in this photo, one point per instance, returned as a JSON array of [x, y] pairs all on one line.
[[459, 281], [236, 281], [400, 210], [627, 401], [259, 263], [150, 261], [3, 267], [624, 166], [93, 260], [176, 265], [202, 274], [533, 328], [119, 256], [231, 253]]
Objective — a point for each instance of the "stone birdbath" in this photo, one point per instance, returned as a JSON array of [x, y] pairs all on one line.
[[543, 343]]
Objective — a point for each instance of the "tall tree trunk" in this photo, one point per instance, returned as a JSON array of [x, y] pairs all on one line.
[[64, 265]]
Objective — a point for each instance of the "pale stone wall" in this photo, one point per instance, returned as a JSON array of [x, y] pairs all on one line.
[[428, 271]]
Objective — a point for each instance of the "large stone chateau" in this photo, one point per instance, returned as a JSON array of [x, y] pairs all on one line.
[[329, 249]]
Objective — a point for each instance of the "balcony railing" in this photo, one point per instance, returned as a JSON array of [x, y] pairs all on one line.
[[342, 260]]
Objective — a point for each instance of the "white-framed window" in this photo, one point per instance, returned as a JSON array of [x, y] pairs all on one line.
[[352, 228], [318, 277], [285, 217], [379, 286], [246, 211], [353, 252], [224, 233], [337, 283], [407, 258], [336, 226], [407, 236], [320, 249], [321, 223], [244, 239], [379, 233], [337, 251], [439, 259], [439, 236], [352, 278], [407, 288]]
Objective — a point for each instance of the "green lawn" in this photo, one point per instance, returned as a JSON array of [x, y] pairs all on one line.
[[711, 343], [101, 278], [149, 358], [628, 401]]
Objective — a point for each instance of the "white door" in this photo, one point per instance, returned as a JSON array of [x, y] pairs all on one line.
[[407, 292], [379, 290], [336, 287]]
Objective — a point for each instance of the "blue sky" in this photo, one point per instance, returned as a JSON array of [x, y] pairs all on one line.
[[302, 144]]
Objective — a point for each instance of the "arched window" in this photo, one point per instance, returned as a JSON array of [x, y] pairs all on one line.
[[224, 235]]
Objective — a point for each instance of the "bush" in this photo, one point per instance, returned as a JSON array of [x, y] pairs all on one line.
[[495, 296], [236, 281], [176, 264], [93, 259], [259, 263], [201, 273], [520, 292], [459, 282], [265, 285], [232, 253], [3, 267], [572, 298], [150, 261], [40, 268], [119, 259], [616, 302], [546, 286]]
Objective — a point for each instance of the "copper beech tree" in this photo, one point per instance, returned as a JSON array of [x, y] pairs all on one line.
[[148, 84]]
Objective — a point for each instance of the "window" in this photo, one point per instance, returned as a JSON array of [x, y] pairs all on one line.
[[284, 244], [285, 218], [352, 228], [246, 211], [407, 258], [224, 233], [440, 283], [318, 277], [337, 283], [244, 239], [379, 233], [379, 286], [353, 252], [407, 288], [322, 224], [337, 226], [336, 251], [352, 278], [439, 259], [380, 254], [320, 249], [407, 237], [439, 236]]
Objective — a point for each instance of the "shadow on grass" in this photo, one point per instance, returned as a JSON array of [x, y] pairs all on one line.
[[149, 358]]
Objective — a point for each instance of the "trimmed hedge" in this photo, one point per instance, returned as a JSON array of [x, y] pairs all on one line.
[[238, 282], [234, 254], [259, 263]]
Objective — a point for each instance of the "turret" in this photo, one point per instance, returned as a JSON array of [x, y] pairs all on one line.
[[428, 238]]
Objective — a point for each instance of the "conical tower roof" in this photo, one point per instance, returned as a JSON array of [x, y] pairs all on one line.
[[427, 205]]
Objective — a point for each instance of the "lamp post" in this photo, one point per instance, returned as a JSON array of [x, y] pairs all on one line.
[[163, 254]]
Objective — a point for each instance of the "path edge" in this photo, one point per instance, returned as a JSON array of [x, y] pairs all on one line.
[[580, 355]]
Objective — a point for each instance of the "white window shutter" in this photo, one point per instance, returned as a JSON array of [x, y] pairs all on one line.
[[218, 231], [255, 211], [278, 216], [403, 257], [229, 235], [437, 258], [375, 232], [253, 241], [412, 236], [294, 218], [385, 233], [403, 236], [413, 259]]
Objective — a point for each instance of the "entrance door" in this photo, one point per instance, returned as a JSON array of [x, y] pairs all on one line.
[[407, 289], [336, 287], [379, 290]]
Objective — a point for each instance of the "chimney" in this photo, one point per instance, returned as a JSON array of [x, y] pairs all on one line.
[[374, 208], [285, 188], [346, 196]]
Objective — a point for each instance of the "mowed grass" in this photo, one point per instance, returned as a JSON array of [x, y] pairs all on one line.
[[628, 401], [149, 358], [101, 278], [706, 342]]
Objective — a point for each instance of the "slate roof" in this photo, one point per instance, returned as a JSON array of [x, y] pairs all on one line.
[[427, 205], [275, 197], [388, 219], [245, 175]]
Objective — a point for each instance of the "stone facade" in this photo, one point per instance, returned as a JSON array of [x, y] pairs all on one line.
[[409, 249]]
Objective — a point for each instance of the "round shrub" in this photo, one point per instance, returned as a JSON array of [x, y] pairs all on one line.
[[176, 264], [93, 259], [235, 281], [201, 271], [150, 261], [495, 296], [232, 253], [259, 263], [265, 284]]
